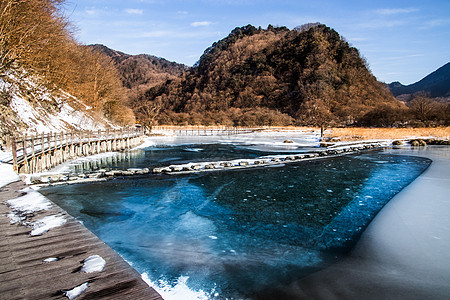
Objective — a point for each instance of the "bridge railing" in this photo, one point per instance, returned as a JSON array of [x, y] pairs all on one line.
[[37, 152], [203, 130]]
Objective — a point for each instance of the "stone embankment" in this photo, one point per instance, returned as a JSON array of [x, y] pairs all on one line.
[[272, 160], [263, 160]]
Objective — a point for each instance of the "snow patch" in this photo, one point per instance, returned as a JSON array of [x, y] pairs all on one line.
[[77, 291], [179, 291], [94, 263], [40, 109], [45, 224], [31, 202], [148, 142], [50, 259], [7, 174]]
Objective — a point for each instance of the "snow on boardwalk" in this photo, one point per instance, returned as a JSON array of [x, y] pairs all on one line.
[[52, 265]]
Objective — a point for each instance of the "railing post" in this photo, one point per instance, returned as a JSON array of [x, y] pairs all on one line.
[[49, 140], [42, 143], [14, 152], [32, 146], [25, 157]]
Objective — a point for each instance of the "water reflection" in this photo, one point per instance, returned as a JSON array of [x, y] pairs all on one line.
[[116, 160], [163, 156]]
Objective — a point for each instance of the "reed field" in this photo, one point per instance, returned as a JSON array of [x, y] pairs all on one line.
[[343, 134], [350, 134]]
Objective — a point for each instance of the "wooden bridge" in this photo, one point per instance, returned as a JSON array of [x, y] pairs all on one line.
[[203, 130], [31, 154], [38, 153]]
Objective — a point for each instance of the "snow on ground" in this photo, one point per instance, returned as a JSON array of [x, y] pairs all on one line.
[[31, 202], [44, 110], [7, 174], [45, 224], [50, 259], [28, 204], [41, 120], [94, 263], [405, 251], [77, 291]]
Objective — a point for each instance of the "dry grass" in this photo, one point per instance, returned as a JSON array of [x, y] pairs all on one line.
[[352, 134]]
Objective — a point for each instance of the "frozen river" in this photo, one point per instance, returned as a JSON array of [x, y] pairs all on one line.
[[242, 233]]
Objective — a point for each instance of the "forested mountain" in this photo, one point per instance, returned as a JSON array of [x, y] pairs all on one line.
[[436, 84], [274, 76], [143, 71]]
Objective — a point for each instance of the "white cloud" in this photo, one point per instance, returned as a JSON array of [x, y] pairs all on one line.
[[201, 23], [91, 11], [134, 11], [377, 24], [435, 23], [395, 11]]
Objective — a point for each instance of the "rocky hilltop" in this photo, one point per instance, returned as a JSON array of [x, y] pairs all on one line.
[[309, 75]]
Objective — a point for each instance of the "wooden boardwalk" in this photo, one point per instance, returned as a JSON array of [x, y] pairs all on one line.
[[25, 275], [42, 152]]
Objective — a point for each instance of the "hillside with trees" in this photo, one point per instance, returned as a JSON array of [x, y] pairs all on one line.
[[141, 72], [306, 76], [37, 45]]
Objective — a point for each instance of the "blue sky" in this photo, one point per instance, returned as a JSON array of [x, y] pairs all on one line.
[[402, 40]]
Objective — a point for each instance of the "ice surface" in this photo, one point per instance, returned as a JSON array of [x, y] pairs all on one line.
[[94, 263], [45, 224], [259, 241], [266, 140], [175, 292], [77, 291]]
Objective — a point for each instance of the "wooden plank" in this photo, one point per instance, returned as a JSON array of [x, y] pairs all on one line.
[[24, 275]]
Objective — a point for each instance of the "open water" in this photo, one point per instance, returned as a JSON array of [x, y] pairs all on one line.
[[237, 234]]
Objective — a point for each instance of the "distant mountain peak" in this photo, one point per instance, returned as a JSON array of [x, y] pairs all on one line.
[[437, 84], [142, 71]]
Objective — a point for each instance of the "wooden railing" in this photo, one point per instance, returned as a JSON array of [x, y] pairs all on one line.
[[203, 130], [37, 153]]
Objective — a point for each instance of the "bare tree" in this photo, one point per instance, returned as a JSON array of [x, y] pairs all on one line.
[[148, 112], [317, 113], [423, 107]]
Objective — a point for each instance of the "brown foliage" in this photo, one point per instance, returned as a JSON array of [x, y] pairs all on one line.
[[310, 74], [35, 36]]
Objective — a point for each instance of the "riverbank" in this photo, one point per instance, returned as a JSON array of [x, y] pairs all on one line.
[[405, 251], [392, 260]]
